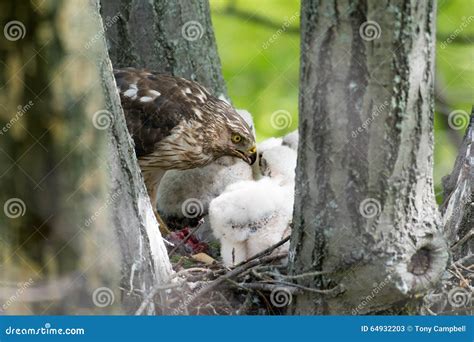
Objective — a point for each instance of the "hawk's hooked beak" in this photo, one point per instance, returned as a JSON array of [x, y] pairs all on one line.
[[253, 155], [249, 156]]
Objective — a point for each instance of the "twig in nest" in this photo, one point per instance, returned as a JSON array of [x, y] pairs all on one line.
[[466, 268], [194, 230], [152, 294], [265, 251], [464, 259], [246, 305], [463, 240], [167, 242], [310, 289], [268, 287], [235, 272], [257, 274], [297, 276], [191, 270]]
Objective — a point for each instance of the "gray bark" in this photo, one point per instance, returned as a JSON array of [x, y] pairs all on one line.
[[52, 237], [454, 293], [174, 37], [87, 241], [365, 211], [457, 208]]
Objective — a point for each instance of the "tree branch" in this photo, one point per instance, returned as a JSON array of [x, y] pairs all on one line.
[[248, 16], [457, 208]]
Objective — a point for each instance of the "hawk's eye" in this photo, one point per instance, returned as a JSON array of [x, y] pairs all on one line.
[[236, 138]]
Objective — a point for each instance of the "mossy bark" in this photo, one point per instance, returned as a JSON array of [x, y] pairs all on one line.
[[74, 220], [174, 37], [365, 210], [458, 206]]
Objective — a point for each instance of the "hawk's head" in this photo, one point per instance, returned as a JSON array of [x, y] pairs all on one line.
[[178, 124], [234, 135]]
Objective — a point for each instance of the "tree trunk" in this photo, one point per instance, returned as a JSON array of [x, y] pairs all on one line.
[[454, 293], [180, 41], [78, 228], [174, 37], [365, 212], [458, 208]]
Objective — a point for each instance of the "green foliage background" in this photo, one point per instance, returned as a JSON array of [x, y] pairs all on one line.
[[262, 73]]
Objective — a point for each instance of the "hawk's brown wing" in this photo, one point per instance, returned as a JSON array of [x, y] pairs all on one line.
[[155, 103]]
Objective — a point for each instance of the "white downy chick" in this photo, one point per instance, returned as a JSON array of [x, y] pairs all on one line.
[[268, 144], [198, 186], [279, 163], [291, 140], [251, 216]]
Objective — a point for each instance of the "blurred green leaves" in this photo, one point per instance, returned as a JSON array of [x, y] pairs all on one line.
[[262, 73]]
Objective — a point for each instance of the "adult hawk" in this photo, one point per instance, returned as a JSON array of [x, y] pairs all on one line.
[[177, 124]]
